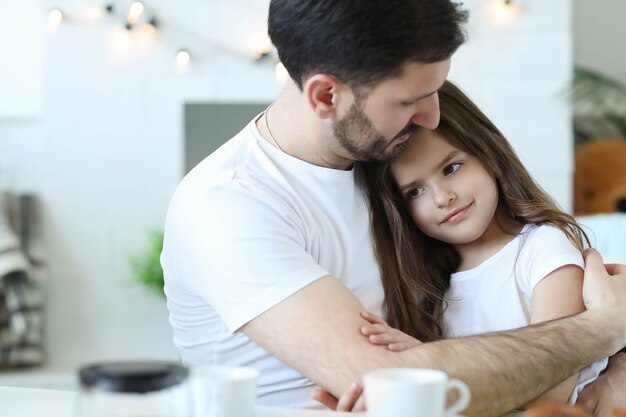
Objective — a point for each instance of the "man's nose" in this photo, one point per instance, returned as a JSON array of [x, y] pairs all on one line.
[[427, 115]]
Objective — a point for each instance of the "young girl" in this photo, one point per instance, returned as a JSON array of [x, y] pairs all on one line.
[[467, 242]]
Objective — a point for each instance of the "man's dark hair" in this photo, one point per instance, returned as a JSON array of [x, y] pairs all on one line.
[[362, 42]]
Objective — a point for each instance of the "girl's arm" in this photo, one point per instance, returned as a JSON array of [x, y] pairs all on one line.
[[558, 295]]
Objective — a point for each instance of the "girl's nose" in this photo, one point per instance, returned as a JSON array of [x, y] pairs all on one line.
[[443, 196]]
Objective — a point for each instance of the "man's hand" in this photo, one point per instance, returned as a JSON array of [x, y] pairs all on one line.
[[351, 400], [604, 285], [608, 391]]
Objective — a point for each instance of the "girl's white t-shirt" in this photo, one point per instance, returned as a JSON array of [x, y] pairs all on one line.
[[497, 294]]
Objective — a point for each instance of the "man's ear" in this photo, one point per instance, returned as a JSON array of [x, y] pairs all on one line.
[[324, 94]]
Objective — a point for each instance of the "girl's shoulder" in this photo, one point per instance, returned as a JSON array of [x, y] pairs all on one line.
[[543, 233], [541, 242], [545, 241], [545, 248]]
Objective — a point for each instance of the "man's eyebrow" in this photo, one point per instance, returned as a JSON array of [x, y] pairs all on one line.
[[416, 99], [453, 154]]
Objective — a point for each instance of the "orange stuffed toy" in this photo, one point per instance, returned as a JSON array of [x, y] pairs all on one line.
[[600, 177]]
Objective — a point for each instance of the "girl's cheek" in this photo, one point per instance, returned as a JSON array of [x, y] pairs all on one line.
[[421, 216]]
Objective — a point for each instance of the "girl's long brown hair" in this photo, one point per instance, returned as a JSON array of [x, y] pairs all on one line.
[[416, 268]]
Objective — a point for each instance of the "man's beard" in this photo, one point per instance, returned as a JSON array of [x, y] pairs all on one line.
[[357, 135]]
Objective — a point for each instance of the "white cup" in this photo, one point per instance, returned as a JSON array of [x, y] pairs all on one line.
[[223, 391], [412, 392]]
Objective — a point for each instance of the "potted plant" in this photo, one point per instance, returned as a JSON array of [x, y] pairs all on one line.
[[146, 264], [599, 106]]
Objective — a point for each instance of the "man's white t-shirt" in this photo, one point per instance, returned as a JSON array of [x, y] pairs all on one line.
[[247, 228], [497, 294]]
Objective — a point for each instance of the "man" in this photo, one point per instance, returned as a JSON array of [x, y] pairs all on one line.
[[267, 253]]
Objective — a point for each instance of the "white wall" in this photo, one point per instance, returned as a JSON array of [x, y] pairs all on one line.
[[113, 129], [21, 71], [517, 73], [21, 154], [599, 34], [21, 46]]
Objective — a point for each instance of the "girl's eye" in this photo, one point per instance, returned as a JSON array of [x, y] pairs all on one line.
[[452, 168], [415, 192]]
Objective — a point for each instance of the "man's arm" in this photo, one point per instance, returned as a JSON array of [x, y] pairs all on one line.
[[607, 391], [316, 331]]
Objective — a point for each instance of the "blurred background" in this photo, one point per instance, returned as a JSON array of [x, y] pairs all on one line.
[[104, 106]]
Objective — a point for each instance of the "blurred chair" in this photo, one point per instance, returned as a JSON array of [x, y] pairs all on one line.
[[21, 301]]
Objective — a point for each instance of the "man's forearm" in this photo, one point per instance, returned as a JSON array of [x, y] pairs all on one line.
[[506, 370], [316, 332]]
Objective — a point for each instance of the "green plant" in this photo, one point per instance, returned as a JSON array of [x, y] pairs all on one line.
[[599, 104], [146, 264]]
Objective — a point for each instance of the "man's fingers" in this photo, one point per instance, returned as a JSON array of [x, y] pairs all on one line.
[[349, 398], [325, 397], [588, 401], [593, 259], [345, 403], [360, 404], [615, 269]]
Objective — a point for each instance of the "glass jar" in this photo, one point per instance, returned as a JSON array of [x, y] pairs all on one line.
[[133, 389]]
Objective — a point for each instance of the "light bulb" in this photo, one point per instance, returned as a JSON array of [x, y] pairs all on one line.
[[281, 73], [502, 12], [182, 60], [259, 54], [55, 17], [134, 12], [259, 46]]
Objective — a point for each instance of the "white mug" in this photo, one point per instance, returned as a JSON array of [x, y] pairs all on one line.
[[223, 391], [412, 392]]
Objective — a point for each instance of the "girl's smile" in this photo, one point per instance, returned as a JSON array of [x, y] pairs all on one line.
[[457, 215]]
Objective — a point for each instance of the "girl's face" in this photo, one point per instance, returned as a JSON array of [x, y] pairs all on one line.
[[450, 195]]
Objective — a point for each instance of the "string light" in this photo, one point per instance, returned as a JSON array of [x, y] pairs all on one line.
[[260, 54], [146, 34], [281, 73], [134, 12], [259, 45], [55, 17], [502, 12], [182, 60], [145, 31]]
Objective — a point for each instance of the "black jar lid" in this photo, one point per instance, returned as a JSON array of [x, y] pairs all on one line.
[[132, 377]]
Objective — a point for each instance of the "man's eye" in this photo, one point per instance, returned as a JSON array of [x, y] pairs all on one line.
[[452, 168], [415, 192]]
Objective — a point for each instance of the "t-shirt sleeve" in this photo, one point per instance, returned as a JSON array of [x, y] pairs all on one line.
[[240, 251], [546, 249]]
